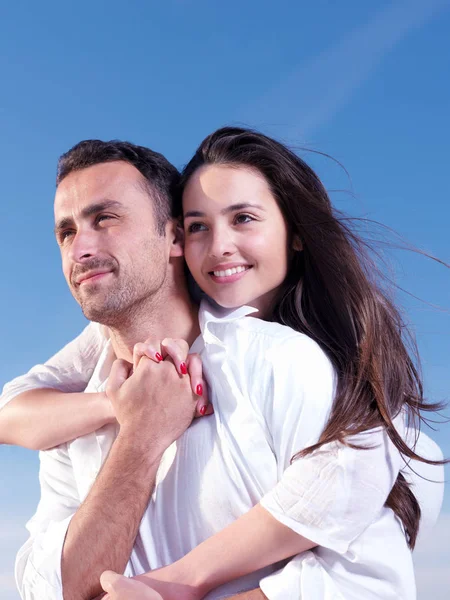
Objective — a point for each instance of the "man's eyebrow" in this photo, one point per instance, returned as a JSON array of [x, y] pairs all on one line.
[[225, 211], [88, 211]]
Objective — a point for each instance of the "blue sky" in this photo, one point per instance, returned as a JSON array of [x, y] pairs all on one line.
[[365, 82]]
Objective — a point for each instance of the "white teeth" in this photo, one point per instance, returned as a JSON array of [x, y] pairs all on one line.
[[229, 272]]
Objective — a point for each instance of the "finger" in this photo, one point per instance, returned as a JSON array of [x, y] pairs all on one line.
[[178, 351], [195, 370], [150, 350], [120, 371], [198, 384], [108, 579], [123, 588], [203, 410]]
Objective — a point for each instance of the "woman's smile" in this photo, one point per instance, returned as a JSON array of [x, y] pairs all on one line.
[[235, 234]]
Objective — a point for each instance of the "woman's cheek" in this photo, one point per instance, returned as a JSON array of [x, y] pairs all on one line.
[[192, 256]]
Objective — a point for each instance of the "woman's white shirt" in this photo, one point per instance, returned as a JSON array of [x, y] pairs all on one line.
[[272, 393]]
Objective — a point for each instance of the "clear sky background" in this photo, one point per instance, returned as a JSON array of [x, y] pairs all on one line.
[[365, 82]]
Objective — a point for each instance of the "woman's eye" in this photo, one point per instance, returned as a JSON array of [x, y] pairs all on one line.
[[196, 227], [243, 218]]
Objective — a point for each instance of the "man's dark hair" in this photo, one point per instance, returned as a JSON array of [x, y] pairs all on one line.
[[161, 178]]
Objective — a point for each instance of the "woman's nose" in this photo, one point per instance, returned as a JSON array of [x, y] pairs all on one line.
[[222, 244]]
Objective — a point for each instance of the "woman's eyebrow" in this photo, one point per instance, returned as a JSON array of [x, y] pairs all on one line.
[[224, 211]]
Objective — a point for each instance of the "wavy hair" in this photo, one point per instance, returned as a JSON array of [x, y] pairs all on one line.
[[333, 294]]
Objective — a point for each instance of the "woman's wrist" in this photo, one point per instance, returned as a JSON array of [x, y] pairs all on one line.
[[193, 571], [103, 408], [185, 573], [180, 578]]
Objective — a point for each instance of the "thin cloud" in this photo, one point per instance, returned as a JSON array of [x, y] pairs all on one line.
[[311, 95], [13, 535], [432, 560], [7, 583]]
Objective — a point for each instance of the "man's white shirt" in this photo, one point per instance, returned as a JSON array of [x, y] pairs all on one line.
[[272, 391]]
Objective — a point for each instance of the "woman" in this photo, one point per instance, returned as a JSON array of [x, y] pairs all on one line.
[[260, 230]]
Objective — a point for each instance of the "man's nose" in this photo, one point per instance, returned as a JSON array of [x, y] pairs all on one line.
[[222, 244], [84, 245]]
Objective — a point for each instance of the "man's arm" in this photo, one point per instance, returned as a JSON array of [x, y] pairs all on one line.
[[102, 532], [153, 407]]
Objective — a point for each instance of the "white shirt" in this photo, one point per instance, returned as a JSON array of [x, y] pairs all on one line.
[[272, 393]]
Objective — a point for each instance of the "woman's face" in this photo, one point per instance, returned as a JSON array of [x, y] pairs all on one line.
[[235, 236]]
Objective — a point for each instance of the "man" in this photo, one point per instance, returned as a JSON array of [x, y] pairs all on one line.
[[123, 263]]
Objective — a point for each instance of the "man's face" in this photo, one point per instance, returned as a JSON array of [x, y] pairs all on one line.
[[112, 255]]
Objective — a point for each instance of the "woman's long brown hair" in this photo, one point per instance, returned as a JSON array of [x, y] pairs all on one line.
[[333, 294]]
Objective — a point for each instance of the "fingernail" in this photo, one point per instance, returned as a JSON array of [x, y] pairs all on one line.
[[158, 356], [199, 390], [183, 368], [203, 410]]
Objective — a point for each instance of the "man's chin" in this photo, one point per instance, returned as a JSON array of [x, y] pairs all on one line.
[[98, 312]]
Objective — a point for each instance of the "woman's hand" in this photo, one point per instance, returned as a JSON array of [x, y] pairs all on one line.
[[160, 584], [119, 587], [186, 364]]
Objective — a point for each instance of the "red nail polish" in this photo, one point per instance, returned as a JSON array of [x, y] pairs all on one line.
[[202, 410], [199, 390], [158, 356], [183, 368]]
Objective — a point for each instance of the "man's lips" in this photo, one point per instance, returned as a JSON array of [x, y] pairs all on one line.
[[91, 277]]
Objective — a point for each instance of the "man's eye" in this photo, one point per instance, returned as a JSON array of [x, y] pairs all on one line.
[[243, 218], [103, 218], [64, 235], [196, 227]]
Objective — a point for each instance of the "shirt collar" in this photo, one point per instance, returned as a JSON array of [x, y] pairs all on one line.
[[211, 313]]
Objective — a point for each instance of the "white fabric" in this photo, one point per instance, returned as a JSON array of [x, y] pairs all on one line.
[[272, 394], [69, 370]]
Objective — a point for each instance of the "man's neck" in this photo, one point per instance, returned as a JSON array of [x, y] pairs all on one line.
[[172, 314]]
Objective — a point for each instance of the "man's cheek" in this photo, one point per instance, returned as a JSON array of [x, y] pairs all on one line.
[[66, 273]]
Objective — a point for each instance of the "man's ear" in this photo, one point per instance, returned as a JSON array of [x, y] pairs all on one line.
[[177, 235], [297, 244]]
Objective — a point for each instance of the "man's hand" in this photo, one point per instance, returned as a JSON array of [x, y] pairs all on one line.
[[122, 588], [178, 351], [155, 402]]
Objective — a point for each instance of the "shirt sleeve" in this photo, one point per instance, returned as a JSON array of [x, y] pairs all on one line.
[[38, 563], [69, 370], [331, 495], [427, 483], [298, 391]]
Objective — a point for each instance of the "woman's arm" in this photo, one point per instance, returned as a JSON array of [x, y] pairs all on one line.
[[40, 419], [36, 409], [252, 542]]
